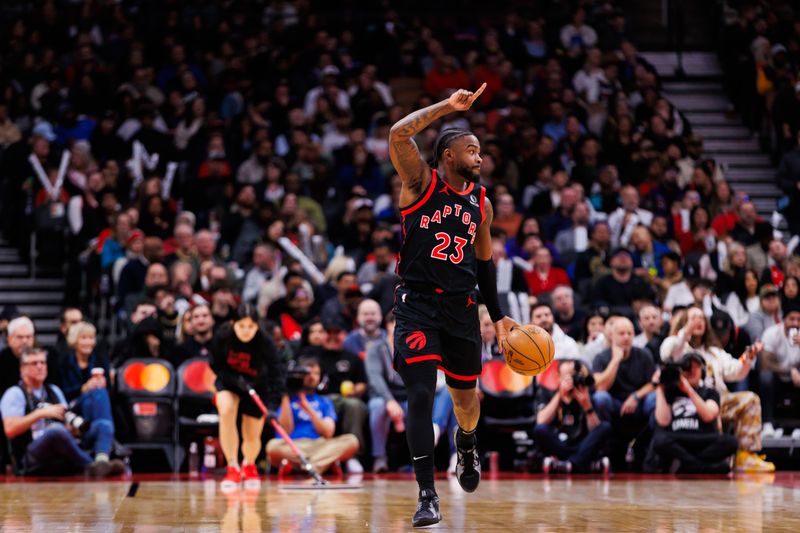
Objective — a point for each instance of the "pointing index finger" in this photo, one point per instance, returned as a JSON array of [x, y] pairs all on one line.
[[478, 92]]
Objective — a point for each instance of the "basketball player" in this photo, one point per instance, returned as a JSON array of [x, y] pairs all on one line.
[[446, 248]]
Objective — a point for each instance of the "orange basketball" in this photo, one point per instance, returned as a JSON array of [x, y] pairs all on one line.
[[528, 350]]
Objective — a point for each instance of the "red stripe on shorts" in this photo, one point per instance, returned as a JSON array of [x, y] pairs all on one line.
[[420, 358], [458, 376]]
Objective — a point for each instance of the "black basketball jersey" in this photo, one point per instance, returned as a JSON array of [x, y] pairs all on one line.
[[439, 230]]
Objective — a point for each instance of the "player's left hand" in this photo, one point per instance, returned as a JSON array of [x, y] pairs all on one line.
[[501, 329]]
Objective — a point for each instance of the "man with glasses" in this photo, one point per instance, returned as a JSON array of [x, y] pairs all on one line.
[[41, 430]]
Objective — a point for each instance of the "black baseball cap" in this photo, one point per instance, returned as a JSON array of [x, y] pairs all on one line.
[[621, 250], [692, 356]]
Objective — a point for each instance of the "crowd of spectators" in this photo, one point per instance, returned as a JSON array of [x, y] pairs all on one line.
[[180, 158]]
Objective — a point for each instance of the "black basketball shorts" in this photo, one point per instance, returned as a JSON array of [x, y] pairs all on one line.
[[441, 328]]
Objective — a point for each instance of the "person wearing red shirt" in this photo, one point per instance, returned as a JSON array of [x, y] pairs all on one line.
[[544, 277], [444, 75]]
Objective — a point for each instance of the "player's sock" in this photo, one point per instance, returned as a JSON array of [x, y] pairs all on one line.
[[465, 440], [420, 380], [423, 471]]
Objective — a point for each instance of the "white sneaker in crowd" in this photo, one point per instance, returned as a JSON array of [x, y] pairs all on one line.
[[353, 466]]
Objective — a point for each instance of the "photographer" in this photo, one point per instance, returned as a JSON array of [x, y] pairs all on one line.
[[570, 414], [687, 416], [243, 357], [345, 379], [41, 428], [691, 332], [310, 420]]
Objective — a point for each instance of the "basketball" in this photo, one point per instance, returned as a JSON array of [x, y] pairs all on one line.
[[528, 350]]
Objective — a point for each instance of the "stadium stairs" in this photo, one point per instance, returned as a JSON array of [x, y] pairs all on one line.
[[701, 98], [39, 297]]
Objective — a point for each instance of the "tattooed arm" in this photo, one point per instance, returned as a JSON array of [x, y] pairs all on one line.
[[403, 150]]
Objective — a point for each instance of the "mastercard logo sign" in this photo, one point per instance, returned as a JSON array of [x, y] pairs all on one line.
[[153, 377]]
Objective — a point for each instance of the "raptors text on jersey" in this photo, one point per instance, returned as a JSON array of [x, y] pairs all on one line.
[[439, 230]]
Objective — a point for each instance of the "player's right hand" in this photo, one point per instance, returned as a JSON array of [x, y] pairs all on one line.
[[501, 329], [462, 99]]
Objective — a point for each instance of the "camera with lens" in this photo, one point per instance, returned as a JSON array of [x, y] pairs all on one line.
[[581, 377], [295, 378], [670, 377], [76, 421], [71, 419]]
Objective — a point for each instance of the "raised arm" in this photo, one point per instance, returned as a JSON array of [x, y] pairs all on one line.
[[403, 151]]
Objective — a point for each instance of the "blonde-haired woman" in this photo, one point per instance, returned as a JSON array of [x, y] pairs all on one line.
[[83, 378], [690, 331]]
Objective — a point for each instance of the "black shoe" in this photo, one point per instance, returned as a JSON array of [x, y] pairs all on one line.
[[468, 467], [720, 467], [427, 509], [116, 467], [99, 469]]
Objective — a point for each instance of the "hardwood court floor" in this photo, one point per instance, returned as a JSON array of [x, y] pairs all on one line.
[[505, 504]]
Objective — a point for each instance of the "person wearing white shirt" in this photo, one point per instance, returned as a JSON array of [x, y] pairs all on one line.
[[587, 80], [577, 36], [780, 364], [624, 219], [651, 322], [691, 332], [572, 241], [565, 346]]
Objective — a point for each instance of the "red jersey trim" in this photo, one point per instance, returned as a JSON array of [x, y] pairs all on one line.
[[420, 358], [460, 193], [481, 202], [458, 376], [416, 204]]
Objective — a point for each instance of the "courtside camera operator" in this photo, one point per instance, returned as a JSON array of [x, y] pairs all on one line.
[[568, 431], [42, 430], [687, 420]]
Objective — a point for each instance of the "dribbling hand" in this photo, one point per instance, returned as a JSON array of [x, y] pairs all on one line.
[[501, 329], [462, 99]]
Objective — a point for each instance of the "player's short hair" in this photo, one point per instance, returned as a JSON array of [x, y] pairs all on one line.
[[445, 139]]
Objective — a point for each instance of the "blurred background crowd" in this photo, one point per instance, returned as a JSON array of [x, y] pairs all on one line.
[[177, 159]]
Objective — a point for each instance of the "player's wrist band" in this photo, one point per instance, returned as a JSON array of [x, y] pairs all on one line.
[[487, 283]]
